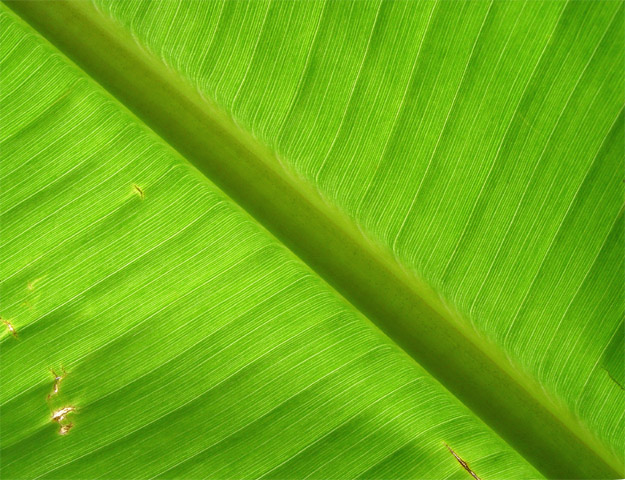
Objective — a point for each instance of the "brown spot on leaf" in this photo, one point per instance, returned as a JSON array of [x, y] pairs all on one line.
[[60, 414], [9, 327], [65, 428], [57, 382]]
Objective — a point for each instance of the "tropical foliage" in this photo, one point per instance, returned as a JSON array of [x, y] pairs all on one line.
[[317, 239]]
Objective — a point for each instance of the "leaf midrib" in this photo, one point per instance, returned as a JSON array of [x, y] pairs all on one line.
[[405, 308]]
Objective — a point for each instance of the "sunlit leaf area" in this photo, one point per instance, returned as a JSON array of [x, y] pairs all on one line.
[[312, 239]]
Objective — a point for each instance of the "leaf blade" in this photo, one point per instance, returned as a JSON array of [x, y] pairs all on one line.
[[179, 324]]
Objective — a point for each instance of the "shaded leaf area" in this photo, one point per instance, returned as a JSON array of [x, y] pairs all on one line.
[[480, 142], [612, 361], [162, 332]]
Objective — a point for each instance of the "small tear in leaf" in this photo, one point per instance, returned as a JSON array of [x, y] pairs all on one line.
[[10, 327], [57, 382], [139, 191], [464, 464], [65, 428], [60, 414]]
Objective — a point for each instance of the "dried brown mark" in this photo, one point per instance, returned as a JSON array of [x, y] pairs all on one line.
[[60, 414], [139, 191], [57, 382], [10, 327], [464, 464], [65, 428]]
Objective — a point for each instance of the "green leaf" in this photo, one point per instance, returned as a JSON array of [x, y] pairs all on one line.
[[452, 170]]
